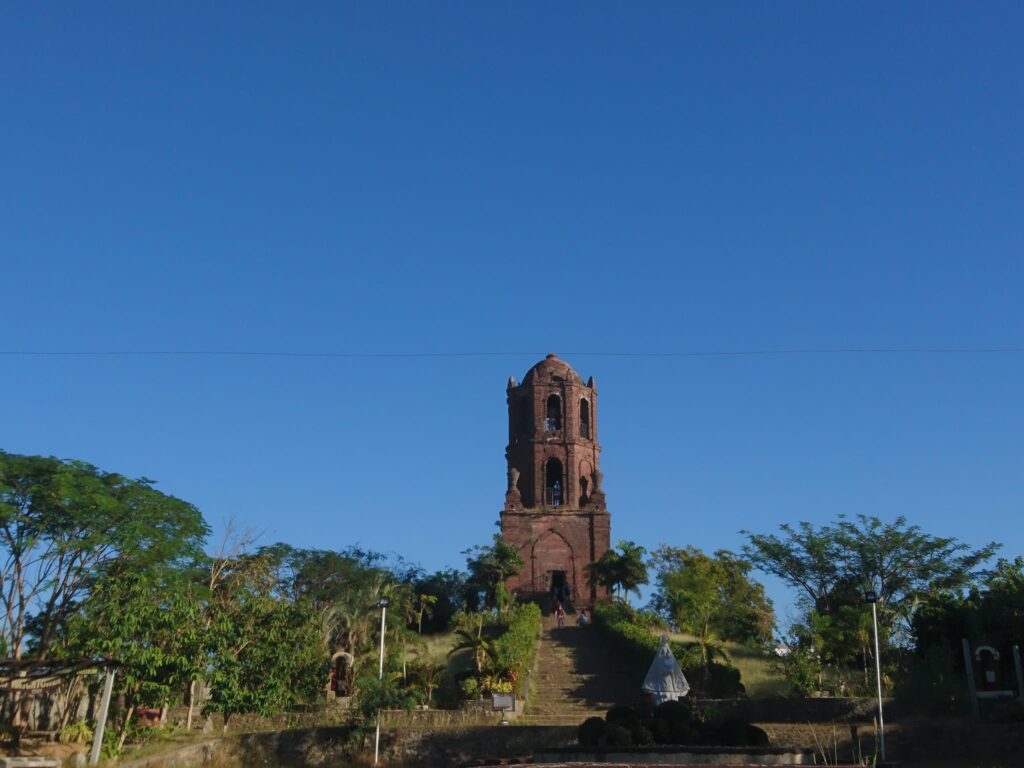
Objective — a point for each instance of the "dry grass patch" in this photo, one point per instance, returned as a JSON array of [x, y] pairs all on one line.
[[757, 672]]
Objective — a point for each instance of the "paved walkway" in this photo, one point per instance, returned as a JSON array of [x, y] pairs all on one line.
[[576, 677]]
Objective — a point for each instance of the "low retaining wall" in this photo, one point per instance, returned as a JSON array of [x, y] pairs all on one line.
[[677, 756], [785, 710], [333, 747]]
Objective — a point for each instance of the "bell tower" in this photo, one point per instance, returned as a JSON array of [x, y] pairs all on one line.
[[555, 514]]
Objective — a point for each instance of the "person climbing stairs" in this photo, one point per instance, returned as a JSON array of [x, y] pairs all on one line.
[[577, 676]]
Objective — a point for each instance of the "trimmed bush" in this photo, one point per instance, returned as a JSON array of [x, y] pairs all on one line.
[[674, 712], [674, 722], [514, 649], [592, 731], [619, 736], [756, 737], [622, 715], [642, 736]]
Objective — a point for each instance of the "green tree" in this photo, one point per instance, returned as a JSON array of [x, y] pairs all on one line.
[[150, 622], [263, 652], [623, 569], [424, 606], [834, 564], [449, 588], [711, 597], [992, 613], [472, 638], [66, 524], [489, 567]]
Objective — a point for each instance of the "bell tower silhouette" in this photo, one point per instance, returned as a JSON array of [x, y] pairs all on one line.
[[555, 514]]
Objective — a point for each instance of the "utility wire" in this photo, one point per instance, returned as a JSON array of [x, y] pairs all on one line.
[[358, 355]]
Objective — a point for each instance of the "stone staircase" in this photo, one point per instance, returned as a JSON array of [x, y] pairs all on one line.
[[576, 677]]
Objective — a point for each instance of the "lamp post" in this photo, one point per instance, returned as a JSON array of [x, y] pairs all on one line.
[[871, 596], [383, 604]]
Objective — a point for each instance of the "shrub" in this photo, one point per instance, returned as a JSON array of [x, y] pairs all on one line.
[[619, 736], [723, 681], [592, 731], [641, 734], [663, 731], [756, 737], [469, 687], [627, 637], [514, 649], [733, 732], [674, 722], [674, 712], [931, 683], [622, 715], [76, 733]]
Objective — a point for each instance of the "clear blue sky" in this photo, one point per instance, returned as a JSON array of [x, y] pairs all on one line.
[[527, 178]]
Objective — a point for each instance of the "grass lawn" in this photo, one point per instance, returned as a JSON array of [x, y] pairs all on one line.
[[755, 666]]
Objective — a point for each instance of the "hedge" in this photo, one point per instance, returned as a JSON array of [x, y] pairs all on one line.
[[516, 647]]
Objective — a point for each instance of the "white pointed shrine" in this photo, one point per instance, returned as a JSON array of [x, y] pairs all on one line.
[[665, 680]]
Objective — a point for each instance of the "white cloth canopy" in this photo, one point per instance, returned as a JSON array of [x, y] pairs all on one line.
[[665, 680]]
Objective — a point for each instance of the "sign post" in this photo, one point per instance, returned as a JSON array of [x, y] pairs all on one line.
[[872, 597], [503, 702]]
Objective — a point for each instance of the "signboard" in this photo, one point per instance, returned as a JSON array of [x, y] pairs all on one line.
[[503, 702]]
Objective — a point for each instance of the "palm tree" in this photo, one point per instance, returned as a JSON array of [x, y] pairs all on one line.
[[624, 569], [632, 571], [429, 674], [424, 607], [474, 641]]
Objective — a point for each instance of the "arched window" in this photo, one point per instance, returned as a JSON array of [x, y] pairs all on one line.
[[554, 483], [584, 419], [553, 423]]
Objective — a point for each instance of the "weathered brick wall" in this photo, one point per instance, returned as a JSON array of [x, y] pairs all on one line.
[[565, 541]]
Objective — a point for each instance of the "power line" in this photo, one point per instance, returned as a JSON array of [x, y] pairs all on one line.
[[400, 355]]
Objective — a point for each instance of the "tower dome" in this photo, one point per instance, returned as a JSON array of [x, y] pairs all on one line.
[[551, 368]]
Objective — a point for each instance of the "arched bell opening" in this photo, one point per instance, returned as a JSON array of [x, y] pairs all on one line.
[[553, 421], [554, 483]]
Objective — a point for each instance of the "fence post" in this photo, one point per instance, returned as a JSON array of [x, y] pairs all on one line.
[[101, 718], [972, 689]]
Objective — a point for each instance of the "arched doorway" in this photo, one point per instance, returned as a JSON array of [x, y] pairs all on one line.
[[553, 566], [342, 665]]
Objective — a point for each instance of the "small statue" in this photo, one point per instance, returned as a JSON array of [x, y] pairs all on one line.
[[598, 476], [513, 479]]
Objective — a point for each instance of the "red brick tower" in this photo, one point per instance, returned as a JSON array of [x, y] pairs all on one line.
[[555, 514]]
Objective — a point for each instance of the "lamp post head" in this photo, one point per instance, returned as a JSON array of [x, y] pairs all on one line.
[[870, 596], [383, 603]]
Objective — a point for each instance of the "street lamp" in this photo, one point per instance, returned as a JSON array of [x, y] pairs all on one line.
[[871, 596], [383, 605]]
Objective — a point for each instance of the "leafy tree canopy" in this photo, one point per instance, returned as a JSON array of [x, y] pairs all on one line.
[[833, 565], [489, 566], [711, 596], [992, 613], [64, 525]]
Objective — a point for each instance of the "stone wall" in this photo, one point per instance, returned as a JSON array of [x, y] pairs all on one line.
[[796, 710], [334, 747], [933, 742]]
